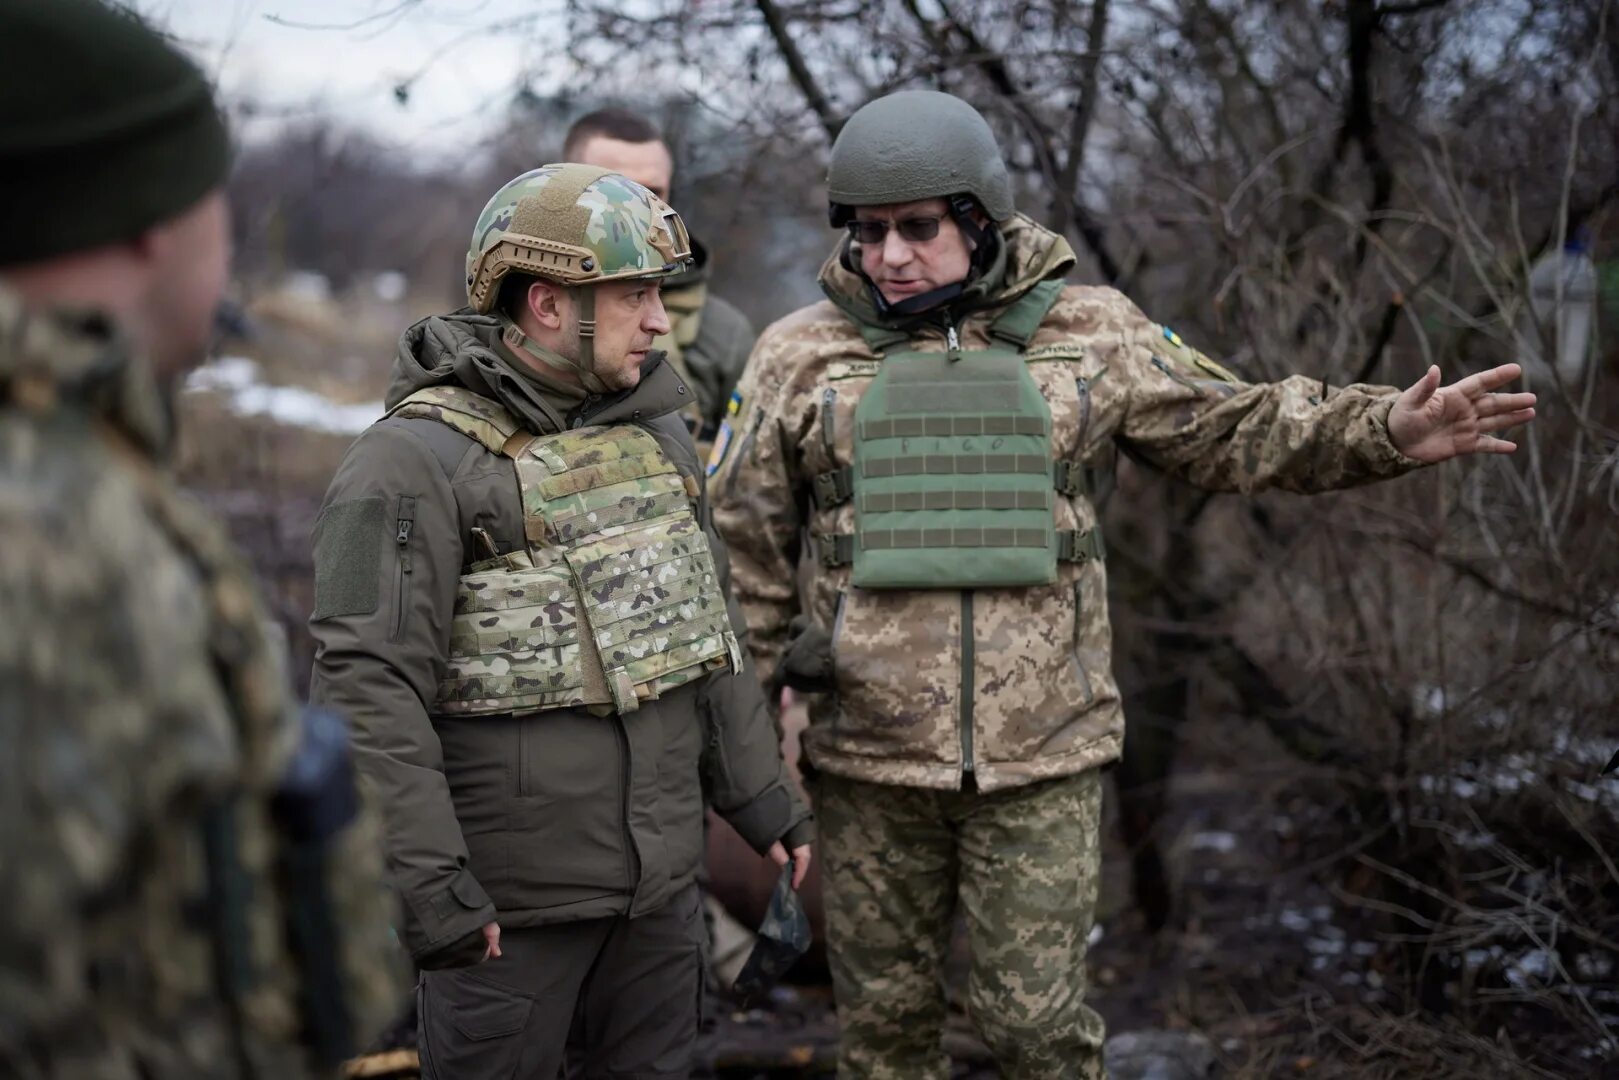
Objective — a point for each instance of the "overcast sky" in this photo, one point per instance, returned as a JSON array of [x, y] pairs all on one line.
[[463, 59]]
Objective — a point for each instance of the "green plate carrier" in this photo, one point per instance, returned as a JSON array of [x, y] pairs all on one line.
[[613, 600], [953, 482]]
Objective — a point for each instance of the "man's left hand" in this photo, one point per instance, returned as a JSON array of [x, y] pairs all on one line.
[[1433, 423], [801, 860]]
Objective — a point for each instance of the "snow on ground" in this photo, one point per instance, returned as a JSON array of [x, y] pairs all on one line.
[[237, 380]]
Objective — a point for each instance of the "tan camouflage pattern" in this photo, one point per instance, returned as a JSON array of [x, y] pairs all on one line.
[[1023, 864], [138, 682], [613, 229], [1045, 702], [615, 552]]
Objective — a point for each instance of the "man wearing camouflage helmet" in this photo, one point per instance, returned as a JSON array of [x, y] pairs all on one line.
[[927, 427], [520, 600], [188, 887]]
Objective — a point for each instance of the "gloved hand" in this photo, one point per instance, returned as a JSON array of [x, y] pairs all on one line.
[[807, 662]]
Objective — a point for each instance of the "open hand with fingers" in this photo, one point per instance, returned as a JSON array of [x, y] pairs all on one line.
[[1433, 423]]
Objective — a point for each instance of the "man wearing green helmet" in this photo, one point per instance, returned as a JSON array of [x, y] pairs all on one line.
[[521, 603], [927, 428]]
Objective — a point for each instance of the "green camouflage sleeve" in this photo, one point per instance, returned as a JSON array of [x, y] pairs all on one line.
[[757, 496], [1190, 416]]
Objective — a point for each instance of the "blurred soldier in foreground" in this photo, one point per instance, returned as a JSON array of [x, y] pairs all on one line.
[[708, 340], [186, 886], [927, 426], [520, 601]]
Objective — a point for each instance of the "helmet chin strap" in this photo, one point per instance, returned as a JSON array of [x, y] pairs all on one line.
[[585, 366]]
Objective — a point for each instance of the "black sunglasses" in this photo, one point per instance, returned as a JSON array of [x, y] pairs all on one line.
[[917, 229]]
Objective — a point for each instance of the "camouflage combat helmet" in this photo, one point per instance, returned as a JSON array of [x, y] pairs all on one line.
[[576, 225], [916, 144]]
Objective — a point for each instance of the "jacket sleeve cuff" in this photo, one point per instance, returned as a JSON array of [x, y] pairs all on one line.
[[801, 833], [764, 820], [456, 910], [1385, 458]]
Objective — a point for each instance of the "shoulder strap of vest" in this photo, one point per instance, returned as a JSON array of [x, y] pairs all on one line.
[[473, 415], [1017, 324]]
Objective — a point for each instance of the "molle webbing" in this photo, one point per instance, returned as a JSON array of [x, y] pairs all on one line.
[[953, 510], [952, 481], [615, 598]]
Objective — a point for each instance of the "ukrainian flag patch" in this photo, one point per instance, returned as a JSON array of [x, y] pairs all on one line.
[[1173, 338], [734, 406]]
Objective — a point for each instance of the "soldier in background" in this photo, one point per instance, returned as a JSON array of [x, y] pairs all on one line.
[[708, 340], [188, 886], [928, 426], [519, 599]]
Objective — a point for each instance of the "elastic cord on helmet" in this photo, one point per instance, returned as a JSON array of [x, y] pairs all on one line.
[[585, 366]]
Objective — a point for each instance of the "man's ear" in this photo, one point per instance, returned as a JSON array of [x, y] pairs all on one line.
[[545, 304]]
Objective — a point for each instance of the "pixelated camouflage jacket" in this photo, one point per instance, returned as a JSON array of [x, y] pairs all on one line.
[[138, 686], [1041, 700], [541, 817]]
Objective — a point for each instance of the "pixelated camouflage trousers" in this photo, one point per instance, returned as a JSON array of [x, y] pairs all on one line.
[[1023, 864]]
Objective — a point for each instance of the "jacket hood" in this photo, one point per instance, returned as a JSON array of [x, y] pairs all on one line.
[[1031, 253], [464, 349]]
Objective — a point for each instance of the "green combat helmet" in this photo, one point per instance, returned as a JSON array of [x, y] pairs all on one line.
[[576, 225], [917, 144]]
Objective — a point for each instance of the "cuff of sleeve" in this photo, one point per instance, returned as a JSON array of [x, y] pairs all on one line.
[[802, 832], [450, 914], [1386, 458], [764, 820]]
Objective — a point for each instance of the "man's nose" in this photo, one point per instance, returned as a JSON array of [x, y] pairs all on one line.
[[656, 320], [896, 252]]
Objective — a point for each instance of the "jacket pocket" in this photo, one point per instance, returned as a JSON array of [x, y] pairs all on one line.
[[404, 526], [895, 673]]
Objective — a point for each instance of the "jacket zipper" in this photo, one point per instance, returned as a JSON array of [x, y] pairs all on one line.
[[1159, 363], [753, 429], [829, 405], [405, 523], [1079, 665], [624, 806], [952, 340], [1084, 387], [967, 650]]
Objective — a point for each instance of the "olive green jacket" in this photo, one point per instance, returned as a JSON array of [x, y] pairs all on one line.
[[529, 819]]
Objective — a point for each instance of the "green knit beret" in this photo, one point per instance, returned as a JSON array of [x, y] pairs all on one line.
[[105, 129]]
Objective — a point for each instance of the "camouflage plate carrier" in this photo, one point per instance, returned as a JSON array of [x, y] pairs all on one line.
[[613, 600], [953, 480]]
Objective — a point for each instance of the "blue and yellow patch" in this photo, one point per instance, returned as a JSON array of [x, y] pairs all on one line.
[[1188, 361], [734, 406]]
